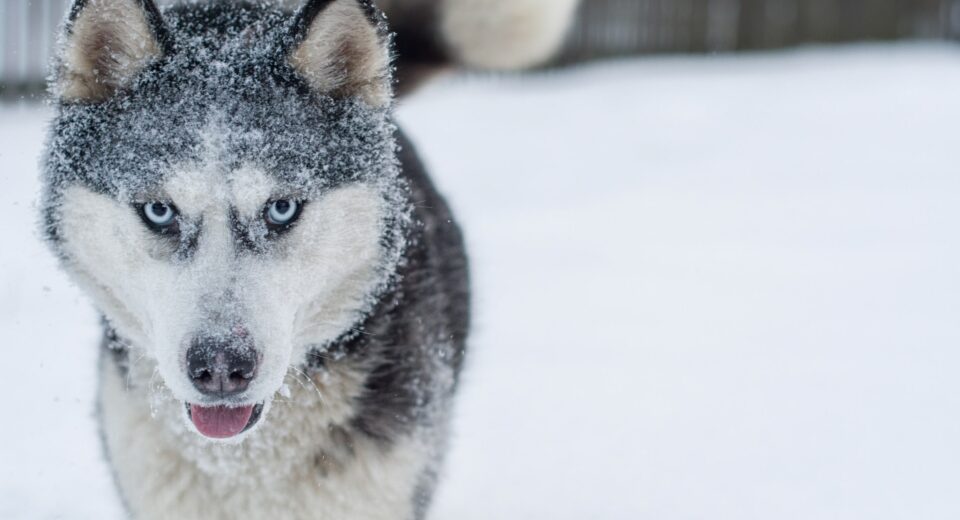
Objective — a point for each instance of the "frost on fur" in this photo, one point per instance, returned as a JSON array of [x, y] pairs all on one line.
[[211, 113], [342, 53], [195, 127], [185, 131], [108, 43]]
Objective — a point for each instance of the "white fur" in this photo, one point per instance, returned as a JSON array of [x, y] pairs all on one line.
[[309, 290], [297, 466], [505, 34]]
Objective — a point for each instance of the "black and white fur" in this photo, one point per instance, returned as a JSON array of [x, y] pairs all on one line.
[[357, 311]]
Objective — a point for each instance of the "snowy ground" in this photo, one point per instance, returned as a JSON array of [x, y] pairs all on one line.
[[723, 288]]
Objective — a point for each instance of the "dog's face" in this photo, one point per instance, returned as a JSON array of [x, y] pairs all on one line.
[[224, 184]]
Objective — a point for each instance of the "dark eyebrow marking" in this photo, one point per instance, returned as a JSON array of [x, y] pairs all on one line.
[[243, 237], [189, 241]]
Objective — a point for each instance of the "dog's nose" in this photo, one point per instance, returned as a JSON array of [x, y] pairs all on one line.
[[219, 367]]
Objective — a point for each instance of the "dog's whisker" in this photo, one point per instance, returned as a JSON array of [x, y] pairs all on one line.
[[312, 383], [314, 321], [305, 387], [131, 366], [322, 356], [281, 395]]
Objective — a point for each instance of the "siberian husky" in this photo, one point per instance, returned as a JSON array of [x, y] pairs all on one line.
[[284, 294]]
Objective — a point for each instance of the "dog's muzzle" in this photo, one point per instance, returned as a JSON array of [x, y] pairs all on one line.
[[221, 368]]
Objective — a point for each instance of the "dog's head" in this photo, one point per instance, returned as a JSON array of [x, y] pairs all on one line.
[[222, 179]]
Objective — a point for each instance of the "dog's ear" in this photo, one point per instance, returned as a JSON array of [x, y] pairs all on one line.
[[107, 43], [340, 48]]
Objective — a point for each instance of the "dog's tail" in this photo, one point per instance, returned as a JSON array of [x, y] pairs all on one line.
[[479, 34]]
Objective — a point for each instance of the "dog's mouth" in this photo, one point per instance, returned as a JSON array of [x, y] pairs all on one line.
[[222, 421]]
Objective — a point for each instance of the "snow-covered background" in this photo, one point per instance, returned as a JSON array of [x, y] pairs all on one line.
[[706, 288]]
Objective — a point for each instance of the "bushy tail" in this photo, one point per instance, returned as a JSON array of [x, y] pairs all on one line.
[[479, 34]]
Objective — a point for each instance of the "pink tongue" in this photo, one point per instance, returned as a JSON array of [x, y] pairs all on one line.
[[220, 422]]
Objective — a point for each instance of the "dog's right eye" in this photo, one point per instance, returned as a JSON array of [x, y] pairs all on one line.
[[159, 216]]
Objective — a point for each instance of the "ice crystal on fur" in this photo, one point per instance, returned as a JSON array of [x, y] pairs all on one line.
[[336, 337], [224, 99]]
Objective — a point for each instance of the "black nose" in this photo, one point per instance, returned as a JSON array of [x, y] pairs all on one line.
[[219, 367]]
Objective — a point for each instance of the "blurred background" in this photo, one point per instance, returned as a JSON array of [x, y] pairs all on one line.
[[716, 262], [604, 28]]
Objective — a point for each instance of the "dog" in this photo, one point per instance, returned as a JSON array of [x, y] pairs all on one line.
[[285, 295]]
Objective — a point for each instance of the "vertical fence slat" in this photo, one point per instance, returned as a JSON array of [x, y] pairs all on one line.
[[3, 41], [723, 18], [955, 19], [23, 33], [46, 33]]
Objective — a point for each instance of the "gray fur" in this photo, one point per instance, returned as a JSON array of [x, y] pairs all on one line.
[[226, 63]]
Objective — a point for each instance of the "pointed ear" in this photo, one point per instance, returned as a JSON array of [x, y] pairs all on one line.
[[341, 50], [107, 43]]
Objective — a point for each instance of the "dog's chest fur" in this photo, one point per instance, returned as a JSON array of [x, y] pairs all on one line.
[[306, 462]]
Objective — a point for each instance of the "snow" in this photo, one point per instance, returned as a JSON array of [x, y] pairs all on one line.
[[706, 287]]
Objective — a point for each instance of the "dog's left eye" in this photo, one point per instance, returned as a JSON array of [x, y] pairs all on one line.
[[159, 216], [281, 213]]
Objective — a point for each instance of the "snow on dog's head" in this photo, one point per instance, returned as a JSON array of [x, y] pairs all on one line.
[[224, 183]]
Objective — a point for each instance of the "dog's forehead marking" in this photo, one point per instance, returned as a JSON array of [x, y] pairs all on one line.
[[250, 189], [198, 190], [209, 186]]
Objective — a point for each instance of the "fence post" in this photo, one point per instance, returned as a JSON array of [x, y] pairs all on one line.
[[723, 25], [22, 32], [3, 40], [45, 33], [953, 18]]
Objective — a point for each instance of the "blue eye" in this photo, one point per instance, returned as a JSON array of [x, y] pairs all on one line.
[[159, 214], [282, 212]]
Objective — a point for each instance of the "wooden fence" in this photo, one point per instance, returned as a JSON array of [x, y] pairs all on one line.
[[613, 27], [604, 28]]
